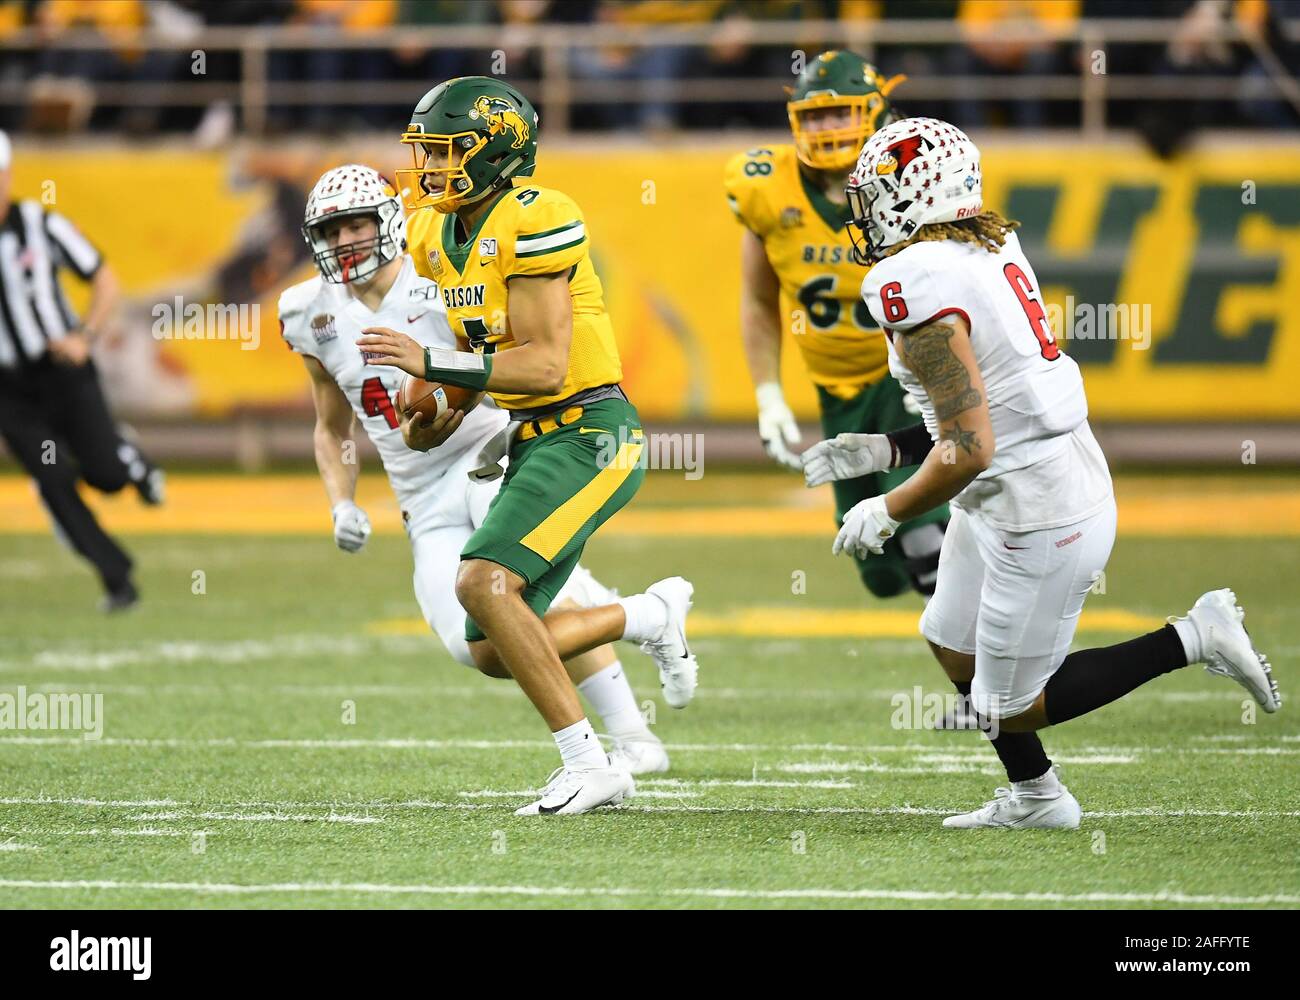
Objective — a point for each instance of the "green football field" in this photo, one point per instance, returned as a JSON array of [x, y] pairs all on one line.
[[283, 740]]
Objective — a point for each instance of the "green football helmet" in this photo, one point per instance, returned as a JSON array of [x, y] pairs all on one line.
[[838, 80], [470, 136]]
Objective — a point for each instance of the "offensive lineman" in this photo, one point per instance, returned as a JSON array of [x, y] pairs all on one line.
[[515, 272], [1005, 438], [797, 275], [354, 226]]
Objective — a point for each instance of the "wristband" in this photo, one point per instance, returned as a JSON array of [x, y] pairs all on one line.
[[462, 368], [909, 446]]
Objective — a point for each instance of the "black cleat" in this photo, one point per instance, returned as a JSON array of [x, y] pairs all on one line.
[[120, 598], [153, 487]]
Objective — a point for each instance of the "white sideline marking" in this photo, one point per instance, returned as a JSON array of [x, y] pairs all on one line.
[[263, 817], [336, 690], [73, 801], [236, 651], [742, 783], [940, 763], [467, 744], [907, 895], [147, 831], [430, 804], [527, 793], [9, 845], [673, 788]]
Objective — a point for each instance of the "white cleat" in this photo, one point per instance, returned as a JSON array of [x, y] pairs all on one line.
[[1226, 649], [569, 792], [1012, 808], [640, 754], [678, 671]]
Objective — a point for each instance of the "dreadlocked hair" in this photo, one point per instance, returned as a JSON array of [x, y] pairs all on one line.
[[988, 230]]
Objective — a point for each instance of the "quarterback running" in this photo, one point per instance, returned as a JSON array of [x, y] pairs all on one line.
[[513, 265], [1005, 437], [797, 277], [355, 228]]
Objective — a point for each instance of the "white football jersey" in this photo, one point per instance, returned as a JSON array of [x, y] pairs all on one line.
[[324, 320], [1047, 468]]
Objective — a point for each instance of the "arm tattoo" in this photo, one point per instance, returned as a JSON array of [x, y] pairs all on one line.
[[958, 436], [928, 353]]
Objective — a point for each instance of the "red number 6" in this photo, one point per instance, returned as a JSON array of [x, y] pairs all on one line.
[[1033, 311], [891, 299]]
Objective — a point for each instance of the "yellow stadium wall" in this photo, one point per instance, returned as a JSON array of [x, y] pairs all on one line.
[[1210, 243]]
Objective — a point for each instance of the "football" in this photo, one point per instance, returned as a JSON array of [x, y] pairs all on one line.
[[433, 398]]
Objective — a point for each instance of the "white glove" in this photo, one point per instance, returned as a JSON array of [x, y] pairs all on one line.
[[846, 456], [776, 425], [351, 526], [866, 529]]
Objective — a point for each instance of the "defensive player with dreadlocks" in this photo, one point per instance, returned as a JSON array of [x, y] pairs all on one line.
[[1005, 437], [796, 276], [523, 299]]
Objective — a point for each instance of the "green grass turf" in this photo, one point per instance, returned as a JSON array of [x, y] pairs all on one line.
[[277, 644]]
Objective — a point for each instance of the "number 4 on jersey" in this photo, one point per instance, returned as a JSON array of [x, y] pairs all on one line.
[[376, 402]]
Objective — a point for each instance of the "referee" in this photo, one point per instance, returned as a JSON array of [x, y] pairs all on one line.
[[53, 416]]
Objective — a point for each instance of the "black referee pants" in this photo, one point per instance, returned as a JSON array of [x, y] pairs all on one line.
[[55, 421]]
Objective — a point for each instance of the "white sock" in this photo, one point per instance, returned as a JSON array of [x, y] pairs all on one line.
[[610, 696], [647, 617], [1191, 639], [1044, 784], [579, 748]]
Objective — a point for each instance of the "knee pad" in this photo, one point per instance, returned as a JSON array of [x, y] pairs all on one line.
[[921, 548]]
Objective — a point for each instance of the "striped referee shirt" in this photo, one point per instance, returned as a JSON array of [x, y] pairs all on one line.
[[35, 245]]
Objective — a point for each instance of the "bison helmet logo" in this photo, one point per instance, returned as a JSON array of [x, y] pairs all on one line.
[[501, 116]]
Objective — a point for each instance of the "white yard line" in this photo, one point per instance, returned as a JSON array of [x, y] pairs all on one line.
[[527, 793], [198, 811], [897, 895], [468, 744], [210, 651], [262, 817], [496, 689], [938, 763]]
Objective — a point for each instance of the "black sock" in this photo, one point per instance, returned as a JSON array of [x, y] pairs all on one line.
[[1022, 754], [1091, 678]]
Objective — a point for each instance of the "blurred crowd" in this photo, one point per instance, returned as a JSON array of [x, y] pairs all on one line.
[[53, 86]]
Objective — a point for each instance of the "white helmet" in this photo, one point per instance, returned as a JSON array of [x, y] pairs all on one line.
[[912, 172], [353, 190]]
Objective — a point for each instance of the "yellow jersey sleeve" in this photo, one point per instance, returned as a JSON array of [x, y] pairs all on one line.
[[422, 227], [550, 234], [747, 178]]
